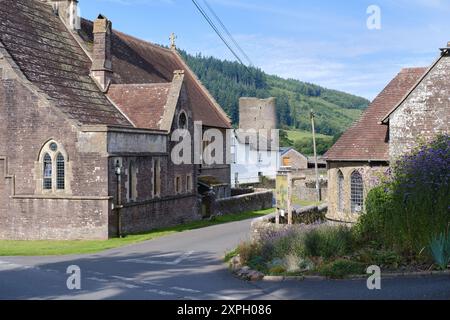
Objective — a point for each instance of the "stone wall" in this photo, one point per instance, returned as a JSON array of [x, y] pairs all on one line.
[[156, 214], [304, 219], [244, 203], [424, 114], [371, 174], [305, 189], [29, 122]]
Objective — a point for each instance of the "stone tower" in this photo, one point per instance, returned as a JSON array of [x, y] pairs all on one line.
[[257, 114]]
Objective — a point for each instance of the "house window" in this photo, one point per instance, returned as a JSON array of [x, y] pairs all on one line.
[[178, 184], [189, 183], [131, 183], [156, 178], [60, 172], [357, 192], [340, 191], [286, 162], [47, 181]]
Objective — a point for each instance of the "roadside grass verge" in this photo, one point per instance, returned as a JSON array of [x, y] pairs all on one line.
[[50, 248]]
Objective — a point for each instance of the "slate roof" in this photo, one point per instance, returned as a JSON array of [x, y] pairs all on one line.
[[136, 62], [367, 139], [142, 103], [52, 60]]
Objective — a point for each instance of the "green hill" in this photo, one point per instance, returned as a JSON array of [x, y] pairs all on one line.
[[228, 81]]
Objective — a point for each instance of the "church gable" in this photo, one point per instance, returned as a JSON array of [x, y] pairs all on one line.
[[425, 111]]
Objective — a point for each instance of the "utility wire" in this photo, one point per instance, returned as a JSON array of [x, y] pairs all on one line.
[[228, 33], [211, 23]]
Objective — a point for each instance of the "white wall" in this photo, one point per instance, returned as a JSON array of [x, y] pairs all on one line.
[[248, 163]]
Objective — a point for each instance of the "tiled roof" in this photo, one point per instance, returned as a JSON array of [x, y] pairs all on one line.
[[142, 103], [52, 60], [367, 139], [136, 61]]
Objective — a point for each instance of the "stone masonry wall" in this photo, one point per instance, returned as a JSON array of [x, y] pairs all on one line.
[[28, 123], [424, 114], [244, 203], [371, 174]]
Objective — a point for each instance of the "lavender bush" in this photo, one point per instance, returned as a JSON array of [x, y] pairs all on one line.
[[405, 212]]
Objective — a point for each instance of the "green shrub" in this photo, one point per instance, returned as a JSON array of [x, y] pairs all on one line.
[[247, 251], [382, 258], [277, 270], [370, 227], [404, 213], [328, 242], [291, 243], [341, 268], [440, 249]]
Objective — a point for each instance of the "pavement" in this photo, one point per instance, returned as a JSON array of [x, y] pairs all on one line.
[[186, 266]]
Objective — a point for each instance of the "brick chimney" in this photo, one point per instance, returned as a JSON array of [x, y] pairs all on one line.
[[101, 69]]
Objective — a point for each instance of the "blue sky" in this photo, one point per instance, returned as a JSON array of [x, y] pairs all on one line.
[[326, 42]]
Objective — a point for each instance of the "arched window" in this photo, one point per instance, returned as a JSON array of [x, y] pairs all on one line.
[[340, 191], [54, 164], [47, 179], [357, 192], [60, 172], [182, 121]]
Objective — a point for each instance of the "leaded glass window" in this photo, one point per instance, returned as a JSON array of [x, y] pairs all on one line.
[[47, 182], [357, 193], [340, 188], [60, 172]]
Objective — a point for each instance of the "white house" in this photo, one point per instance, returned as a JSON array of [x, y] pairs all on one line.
[[251, 161], [254, 146]]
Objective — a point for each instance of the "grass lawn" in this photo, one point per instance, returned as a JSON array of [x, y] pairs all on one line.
[[297, 201], [295, 135], [48, 248]]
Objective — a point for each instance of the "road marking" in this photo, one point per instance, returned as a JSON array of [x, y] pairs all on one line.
[[124, 278], [6, 265], [97, 279], [160, 292], [185, 290], [160, 262]]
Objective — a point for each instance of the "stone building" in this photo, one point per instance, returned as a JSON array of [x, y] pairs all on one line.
[[414, 106], [255, 147], [87, 116]]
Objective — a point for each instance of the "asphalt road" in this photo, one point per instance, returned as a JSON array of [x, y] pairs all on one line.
[[186, 266]]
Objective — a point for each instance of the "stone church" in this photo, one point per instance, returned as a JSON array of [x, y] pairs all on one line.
[[415, 105], [87, 113]]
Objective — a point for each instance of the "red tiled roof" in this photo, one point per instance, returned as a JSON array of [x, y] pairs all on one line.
[[136, 61], [52, 60], [142, 103], [367, 139]]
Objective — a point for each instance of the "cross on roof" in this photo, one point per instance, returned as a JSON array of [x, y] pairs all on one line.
[[172, 38]]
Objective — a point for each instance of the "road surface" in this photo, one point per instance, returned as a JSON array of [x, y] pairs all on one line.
[[187, 266]]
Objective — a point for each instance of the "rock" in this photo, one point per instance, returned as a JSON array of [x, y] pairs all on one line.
[[243, 272], [235, 263], [255, 276]]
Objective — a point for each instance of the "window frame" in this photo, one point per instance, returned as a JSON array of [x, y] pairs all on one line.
[[340, 191], [53, 152], [356, 192]]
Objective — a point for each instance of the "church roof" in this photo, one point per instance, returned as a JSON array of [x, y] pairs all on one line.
[[51, 59], [143, 103], [137, 61], [367, 139]]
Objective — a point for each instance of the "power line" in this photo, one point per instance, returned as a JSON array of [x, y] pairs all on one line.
[[228, 33], [211, 23]]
